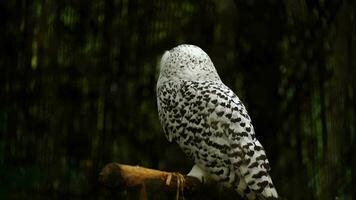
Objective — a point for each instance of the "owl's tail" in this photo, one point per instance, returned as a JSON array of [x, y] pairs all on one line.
[[258, 184], [268, 193], [255, 171]]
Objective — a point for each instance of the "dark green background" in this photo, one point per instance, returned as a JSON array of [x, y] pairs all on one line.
[[77, 89]]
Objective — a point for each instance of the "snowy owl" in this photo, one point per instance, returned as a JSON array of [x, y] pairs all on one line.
[[210, 124]]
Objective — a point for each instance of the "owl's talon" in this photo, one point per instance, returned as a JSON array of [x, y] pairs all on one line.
[[180, 185]]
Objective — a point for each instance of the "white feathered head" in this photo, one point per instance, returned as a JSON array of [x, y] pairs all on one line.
[[187, 62]]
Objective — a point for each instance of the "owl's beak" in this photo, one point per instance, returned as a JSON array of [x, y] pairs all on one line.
[[164, 57]]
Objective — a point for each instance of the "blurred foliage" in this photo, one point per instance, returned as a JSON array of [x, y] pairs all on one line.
[[77, 88]]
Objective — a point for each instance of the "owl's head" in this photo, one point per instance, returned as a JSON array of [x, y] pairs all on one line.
[[187, 62]]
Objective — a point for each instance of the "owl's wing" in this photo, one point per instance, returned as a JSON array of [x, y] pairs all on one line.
[[167, 103], [211, 125], [245, 151]]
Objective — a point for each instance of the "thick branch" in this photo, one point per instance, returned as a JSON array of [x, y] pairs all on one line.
[[115, 175], [137, 180]]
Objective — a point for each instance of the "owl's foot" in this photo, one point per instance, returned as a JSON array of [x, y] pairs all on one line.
[[180, 185], [198, 173]]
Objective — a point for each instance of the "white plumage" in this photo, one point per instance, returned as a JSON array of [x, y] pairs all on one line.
[[210, 124]]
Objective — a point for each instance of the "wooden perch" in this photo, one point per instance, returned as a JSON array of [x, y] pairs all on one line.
[[115, 175], [134, 182]]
